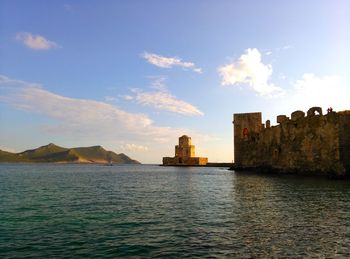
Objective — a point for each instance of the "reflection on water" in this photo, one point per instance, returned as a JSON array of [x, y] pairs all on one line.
[[291, 215], [152, 211]]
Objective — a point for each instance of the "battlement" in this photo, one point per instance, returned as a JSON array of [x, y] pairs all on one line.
[[302, 143]]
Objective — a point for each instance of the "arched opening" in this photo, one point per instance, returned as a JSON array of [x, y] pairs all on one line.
[[314, 111]]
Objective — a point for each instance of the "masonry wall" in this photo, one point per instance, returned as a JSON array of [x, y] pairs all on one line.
[[344, 139], [188, 161], [185, 151], [245, 124], [315, 143]]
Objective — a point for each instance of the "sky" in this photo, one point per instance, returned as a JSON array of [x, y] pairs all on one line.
[[134, 76]]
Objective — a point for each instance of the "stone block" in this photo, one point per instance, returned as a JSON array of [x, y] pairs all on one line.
[[268, 124], [282, 118], [297, 115], [311, 112]]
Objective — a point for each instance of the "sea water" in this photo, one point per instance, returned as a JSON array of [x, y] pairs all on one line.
[[50, 210]]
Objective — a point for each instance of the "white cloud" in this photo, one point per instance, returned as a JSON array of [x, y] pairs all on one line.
[[134, 147], [128, 97], [198, 70], [8, 83], [327, 91], [168, 62], [158, 83], [162, 99], [35, 41], [110, 99], [84, 119], [86, 112], [250, 70], [6, 149], [167, 102], [287, 47]]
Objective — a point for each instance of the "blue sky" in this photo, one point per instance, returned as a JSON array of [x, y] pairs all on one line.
[[133, 76]]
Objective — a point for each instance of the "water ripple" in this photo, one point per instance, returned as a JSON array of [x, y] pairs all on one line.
[[152, 211]]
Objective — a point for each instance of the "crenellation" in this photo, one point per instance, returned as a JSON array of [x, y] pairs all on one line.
[[313, 110], [297, 115], [282, 118], [315, 143]]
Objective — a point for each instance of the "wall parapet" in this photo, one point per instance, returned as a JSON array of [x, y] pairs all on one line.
[[312, 143]]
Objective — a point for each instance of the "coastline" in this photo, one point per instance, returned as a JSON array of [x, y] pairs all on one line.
[[210, 164]]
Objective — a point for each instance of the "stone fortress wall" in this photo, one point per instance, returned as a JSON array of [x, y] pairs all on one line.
[[312, 143]]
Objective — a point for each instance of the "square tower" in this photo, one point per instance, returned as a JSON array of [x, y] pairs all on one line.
[[246, 127], [185, 150], [185, 155]]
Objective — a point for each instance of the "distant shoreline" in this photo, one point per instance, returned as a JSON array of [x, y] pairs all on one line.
[[52, 153], [229, 165], [65, 163]]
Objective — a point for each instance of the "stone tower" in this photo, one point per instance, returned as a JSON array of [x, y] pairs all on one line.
[[247, 126], [185, 150], [344, 139], [185, 154]]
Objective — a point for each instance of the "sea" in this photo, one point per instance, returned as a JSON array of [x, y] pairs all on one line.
[[150, 211]]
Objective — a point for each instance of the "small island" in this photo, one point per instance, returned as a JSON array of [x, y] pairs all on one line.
[[52, 153], [185, 155]]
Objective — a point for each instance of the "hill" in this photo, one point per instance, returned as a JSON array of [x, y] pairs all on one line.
[[52, 153]]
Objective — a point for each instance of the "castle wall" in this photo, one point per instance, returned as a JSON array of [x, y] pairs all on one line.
[[344, 139], [187, 161], [245, 124], [314, 143]]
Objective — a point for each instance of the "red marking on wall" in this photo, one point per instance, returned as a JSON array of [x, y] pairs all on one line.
[[245, 132]]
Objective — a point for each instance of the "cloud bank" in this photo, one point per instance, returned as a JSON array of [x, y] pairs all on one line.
[[81, 118], [161, 99], [36, 42], [326, 91], [249, 70], [134, 147], [168, 62]]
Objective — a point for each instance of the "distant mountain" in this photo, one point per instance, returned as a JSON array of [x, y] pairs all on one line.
[[52, 153]]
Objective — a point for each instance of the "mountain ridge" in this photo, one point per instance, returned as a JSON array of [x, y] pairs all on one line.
[[52, 153]]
